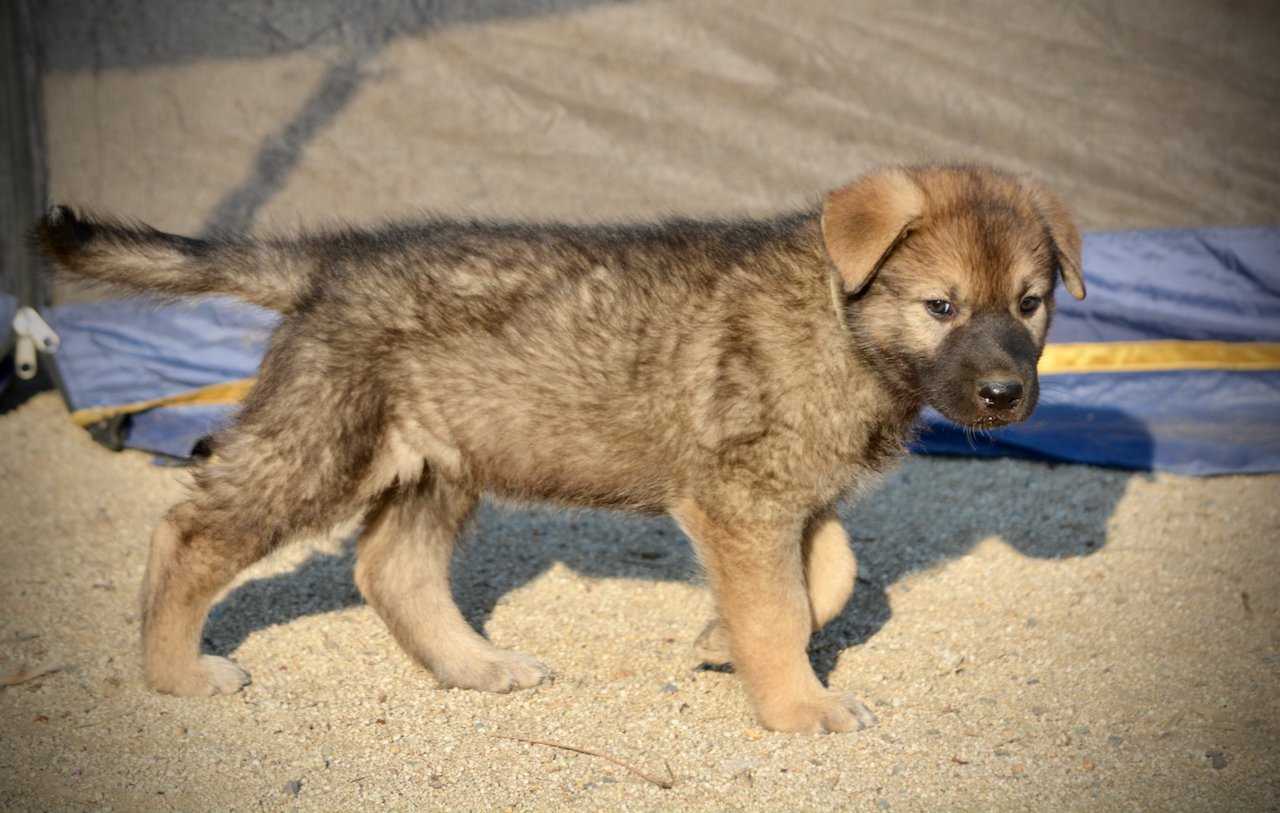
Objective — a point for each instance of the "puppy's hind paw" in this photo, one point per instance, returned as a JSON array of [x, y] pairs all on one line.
[[712, 644]]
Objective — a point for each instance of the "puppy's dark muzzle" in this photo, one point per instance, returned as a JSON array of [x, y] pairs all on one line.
[[986, 373], [1000, 396]]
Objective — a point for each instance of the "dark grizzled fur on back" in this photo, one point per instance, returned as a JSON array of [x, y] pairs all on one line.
[[741, 376]]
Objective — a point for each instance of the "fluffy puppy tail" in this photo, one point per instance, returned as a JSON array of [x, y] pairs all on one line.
[[272, 274]]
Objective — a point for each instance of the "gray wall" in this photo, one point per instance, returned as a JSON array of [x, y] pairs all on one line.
[[22, 171]]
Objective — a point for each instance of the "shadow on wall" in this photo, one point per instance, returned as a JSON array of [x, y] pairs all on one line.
[[91, 35], [912, 522]]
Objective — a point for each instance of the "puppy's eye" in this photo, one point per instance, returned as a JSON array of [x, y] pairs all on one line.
[[1029, 305], [940, 308]]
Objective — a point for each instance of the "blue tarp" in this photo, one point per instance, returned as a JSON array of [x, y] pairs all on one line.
[[132, 351], [1199, 285]]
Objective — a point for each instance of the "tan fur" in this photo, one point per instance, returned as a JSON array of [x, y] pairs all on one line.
[[740, 376], [830, 570], [403, 570], [864, 221]]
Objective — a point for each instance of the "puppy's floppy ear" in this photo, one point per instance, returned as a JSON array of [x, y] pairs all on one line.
[[1064, 233], [864, 221]]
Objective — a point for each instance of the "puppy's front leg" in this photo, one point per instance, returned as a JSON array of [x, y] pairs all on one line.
[[756, 568], [830, 570]]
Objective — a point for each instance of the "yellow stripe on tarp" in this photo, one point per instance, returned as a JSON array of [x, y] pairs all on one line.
[[1085, 357], [228, 392], [1135, 357]]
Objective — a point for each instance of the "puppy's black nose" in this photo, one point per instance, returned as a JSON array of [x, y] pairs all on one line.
[[1001, 395]]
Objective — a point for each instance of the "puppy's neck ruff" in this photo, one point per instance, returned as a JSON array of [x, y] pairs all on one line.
[[836, 286], [835, 282]]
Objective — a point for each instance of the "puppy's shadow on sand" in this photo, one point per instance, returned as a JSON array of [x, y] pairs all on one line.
[[918, 520], [924, 514]]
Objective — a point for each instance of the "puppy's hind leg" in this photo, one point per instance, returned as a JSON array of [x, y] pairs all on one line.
[[188, 564], [280, 471], [830, 568], [258, 495], [402, 568]]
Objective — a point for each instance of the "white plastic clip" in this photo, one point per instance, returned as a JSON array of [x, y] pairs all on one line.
[[33, 334]]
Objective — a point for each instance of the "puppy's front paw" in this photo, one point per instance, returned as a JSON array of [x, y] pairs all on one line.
[[498, 670], [828, 711], [206, 676]]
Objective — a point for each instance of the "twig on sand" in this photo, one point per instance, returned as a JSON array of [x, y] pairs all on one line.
[[15, 675], [665, 785], [110, 719]]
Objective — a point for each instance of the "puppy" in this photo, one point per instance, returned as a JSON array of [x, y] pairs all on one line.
[[740, 376]]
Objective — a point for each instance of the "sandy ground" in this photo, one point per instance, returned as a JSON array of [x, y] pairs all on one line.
[[1031, 637]]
